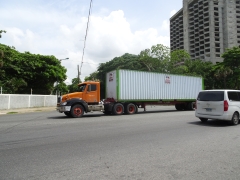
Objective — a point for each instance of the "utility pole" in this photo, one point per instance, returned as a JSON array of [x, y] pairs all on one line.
[[78, 74]]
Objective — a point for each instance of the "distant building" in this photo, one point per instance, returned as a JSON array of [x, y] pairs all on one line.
[[205, 28]]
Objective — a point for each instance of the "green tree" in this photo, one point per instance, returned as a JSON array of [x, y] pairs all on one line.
[[34, 71], [221, 74], [231, 62], [203, 69], [178, 62], [1, 52], [2, 31], [74, 86], [149, 62], [155, 59], [60, 88], [93, 76]]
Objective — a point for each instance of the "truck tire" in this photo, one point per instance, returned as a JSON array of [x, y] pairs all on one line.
[[107, 112], [235, 119], [118, 109], [68, 114], [77, 111], [179, 107], [190, 106], [130, 108]]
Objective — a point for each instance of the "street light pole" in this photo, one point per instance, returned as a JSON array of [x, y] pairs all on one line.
[[57, 74]]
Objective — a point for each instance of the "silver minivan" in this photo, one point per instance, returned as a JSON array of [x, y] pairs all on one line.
[[218, 104]]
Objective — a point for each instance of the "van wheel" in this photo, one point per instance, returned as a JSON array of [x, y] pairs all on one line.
[[235, 119], [203, 119], [118, 109], [77, 111]]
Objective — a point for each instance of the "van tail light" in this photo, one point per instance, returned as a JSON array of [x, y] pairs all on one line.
[[225, 105]]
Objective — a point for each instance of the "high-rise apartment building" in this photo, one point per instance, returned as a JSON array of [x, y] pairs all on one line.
[[205, 28]]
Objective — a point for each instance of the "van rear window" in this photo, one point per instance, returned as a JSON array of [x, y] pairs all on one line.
[[211, 96]]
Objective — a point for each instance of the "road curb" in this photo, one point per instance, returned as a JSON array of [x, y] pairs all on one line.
[[26, 110]]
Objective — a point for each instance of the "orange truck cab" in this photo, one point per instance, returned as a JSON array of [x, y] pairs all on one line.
[[87, 99]]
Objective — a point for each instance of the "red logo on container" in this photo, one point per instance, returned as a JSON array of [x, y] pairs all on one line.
[[167, 79], [110, 76]]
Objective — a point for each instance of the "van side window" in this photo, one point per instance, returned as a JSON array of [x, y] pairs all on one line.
[[233, 96], [238, 96]]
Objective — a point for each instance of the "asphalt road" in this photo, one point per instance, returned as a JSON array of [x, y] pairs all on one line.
[[163, 144]]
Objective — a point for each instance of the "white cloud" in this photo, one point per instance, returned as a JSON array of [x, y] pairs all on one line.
[[172, 12], [165, 26], [108, 37], [16, 35]]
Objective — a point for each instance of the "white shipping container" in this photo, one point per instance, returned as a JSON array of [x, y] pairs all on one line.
[[128, 85]]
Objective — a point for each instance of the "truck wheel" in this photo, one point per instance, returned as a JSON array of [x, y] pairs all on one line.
[[77, 111], [107, 112], [118, 109], [190, 106], [68, 114], [179, 107], [235, 119], [203, 119], [130, 108]]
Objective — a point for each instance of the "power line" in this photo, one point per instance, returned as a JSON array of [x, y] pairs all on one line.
[[89, 13]]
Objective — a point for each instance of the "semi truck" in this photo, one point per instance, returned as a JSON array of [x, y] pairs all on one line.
[[128, 90]]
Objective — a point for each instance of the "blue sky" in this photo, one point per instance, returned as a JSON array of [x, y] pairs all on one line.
[[57, 27]]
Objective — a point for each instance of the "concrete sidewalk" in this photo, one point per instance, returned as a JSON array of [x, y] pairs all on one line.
[[26, 110]]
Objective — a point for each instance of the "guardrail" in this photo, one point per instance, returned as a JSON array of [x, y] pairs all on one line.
[[15, 101]]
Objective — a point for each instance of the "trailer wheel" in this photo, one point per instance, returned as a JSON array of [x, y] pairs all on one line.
[[190, 106], [130, 108], [77, 111], [118, 109], [179, 107], [68, 114]]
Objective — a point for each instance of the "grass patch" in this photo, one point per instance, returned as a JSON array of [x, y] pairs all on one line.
[[12, 112]]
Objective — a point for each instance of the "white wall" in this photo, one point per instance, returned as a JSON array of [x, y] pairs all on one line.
[[14, 101]]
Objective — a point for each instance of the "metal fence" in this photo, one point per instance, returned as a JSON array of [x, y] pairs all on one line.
[[15, 101]]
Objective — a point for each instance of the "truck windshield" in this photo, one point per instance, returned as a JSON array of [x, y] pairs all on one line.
[[82, 87]]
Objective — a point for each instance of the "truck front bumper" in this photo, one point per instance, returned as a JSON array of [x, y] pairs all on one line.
[[63, 109]]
